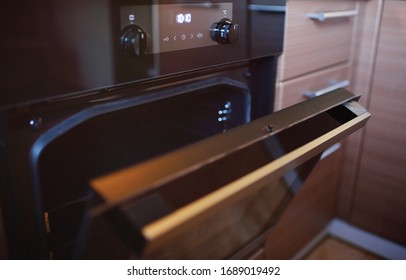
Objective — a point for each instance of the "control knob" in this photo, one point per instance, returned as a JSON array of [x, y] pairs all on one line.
[[134, 41], [225, 31]]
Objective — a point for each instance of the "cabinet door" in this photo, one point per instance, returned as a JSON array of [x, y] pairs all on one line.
[[309, 213], [312, 44], [380, 201], [294, 91]]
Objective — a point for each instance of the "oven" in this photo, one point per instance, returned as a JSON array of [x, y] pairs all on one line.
[[145, 129]]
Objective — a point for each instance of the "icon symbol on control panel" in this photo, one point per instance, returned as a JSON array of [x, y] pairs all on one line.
[[183, 37], [166, 39], [200, 35], [175, 38], [225, 12], [192, 36], [131, 17]]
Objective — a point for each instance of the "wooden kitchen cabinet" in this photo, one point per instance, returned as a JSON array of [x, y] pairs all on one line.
[[309, 212], [378, 200], [294, 91], [372, 190], [363, 68], [311, 44], [317, 53]]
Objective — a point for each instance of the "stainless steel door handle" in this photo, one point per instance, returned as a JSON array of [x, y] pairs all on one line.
[[332, 15], [312, 94]]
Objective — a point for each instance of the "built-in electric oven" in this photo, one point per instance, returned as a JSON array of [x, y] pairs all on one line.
[[144, 129]]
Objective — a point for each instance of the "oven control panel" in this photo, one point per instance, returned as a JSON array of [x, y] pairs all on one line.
[[159, 28]]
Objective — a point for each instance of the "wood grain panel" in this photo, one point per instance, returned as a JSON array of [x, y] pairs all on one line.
[[310, 211], [349, 171], [380, 203], [363, 67], [291, 92], [366, 45], [311, 45]]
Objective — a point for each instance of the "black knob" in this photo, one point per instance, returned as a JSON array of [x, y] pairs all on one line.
[[225, 32], [134, 41]]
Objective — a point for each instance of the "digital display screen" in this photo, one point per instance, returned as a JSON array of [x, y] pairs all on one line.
[[183, 18], [173, 27]]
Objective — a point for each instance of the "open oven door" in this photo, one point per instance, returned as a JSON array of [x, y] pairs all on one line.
[[212, 198]]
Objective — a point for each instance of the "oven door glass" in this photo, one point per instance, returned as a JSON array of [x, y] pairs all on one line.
[[113, 135], [210, 199]]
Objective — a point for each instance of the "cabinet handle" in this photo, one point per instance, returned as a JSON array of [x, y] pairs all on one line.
[[267, 8], [312, 94], [332, 15]]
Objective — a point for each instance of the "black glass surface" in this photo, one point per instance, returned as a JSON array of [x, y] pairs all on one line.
[[57, 48], [125, 137], [52, 49]]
